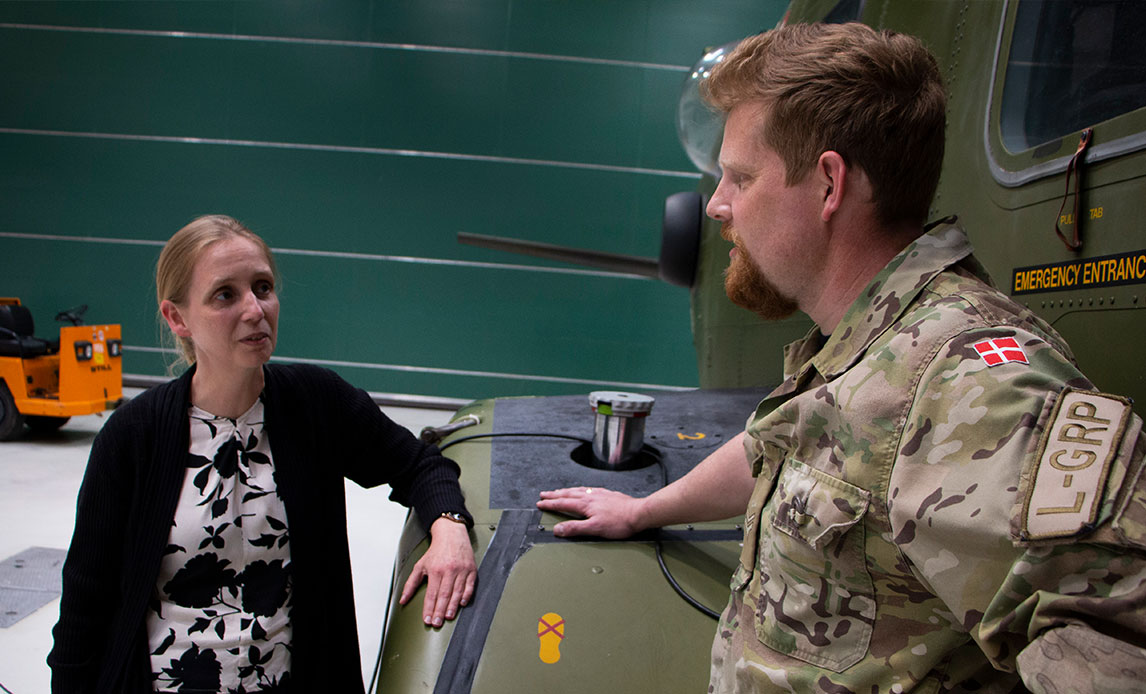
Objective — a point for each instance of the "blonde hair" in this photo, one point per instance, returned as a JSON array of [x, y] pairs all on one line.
[[874, 97], [179, 256]]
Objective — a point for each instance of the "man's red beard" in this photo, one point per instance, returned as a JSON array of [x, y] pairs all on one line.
[[747, 287]]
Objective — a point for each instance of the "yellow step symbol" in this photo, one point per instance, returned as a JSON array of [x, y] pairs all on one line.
[[550, 631], [689, 437]]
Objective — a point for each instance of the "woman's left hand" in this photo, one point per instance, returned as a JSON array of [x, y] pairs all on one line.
[[450, 572]]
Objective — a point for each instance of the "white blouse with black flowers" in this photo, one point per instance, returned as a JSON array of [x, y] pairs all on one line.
[[221, 618]]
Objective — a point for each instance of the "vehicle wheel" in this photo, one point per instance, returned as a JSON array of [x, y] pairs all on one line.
[[11, 421], [41, 424]]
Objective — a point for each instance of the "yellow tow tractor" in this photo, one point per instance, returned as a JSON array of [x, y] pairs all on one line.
[[45, 382]]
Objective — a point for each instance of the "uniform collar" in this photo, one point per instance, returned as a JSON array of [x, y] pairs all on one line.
[[884, 301]]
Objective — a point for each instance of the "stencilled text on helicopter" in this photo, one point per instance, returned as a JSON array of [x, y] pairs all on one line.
[[1107, 271]]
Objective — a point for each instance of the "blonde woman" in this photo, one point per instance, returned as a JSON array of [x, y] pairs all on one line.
[[210, 550]]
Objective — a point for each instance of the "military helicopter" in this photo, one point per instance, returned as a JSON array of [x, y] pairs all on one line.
[[1043, 167]]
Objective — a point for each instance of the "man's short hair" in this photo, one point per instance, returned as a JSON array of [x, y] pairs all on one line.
[[874, 97]]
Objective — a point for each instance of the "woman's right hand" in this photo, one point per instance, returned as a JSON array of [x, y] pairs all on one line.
[[449, 570]]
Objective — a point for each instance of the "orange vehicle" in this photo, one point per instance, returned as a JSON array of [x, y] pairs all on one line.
[[45, 382]]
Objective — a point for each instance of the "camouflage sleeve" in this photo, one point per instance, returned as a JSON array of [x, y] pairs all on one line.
[[1075, 659], [1018, 497]]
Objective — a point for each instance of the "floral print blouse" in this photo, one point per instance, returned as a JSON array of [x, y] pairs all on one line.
[[221, 618]]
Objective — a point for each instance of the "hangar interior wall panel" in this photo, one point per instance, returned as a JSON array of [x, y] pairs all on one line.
[[359, 138]]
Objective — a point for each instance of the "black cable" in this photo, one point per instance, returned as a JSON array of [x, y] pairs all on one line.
[[6, 690], [681, 591], [664, 483], [471, 437], [664, 567]]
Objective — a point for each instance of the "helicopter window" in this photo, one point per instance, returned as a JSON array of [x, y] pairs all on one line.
[[1073, 63]]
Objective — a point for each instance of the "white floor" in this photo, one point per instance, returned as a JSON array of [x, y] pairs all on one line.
[[39, 479]]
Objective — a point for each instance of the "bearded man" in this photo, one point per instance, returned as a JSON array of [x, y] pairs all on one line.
[[937, 498]]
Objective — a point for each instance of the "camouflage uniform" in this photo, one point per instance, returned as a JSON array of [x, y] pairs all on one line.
[[926, 521]]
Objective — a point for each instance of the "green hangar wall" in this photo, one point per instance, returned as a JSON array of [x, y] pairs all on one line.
[[359, 138]]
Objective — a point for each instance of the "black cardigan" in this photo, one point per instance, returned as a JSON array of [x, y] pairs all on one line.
[[321, 430]]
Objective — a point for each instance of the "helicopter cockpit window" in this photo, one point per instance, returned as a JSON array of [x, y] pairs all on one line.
[[1073, 64]]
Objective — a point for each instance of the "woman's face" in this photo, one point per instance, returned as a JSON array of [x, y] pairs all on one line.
[[231, 312]]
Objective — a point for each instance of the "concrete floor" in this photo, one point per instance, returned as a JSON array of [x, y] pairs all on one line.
[[39, 480]]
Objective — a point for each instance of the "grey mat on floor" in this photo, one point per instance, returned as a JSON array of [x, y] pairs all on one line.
[[28, 581]]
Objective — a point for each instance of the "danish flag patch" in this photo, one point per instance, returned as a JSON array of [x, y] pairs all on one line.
[[1001, 350]]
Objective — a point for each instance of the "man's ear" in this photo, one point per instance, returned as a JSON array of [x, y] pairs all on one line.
[[174, 318], [832, 172]]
